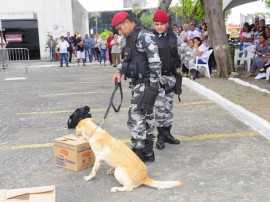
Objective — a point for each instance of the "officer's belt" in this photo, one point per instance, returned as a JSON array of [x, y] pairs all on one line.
[[140, 81], [168, 73], [167, 91]]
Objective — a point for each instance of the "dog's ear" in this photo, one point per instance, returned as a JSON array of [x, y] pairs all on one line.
[[92, 119]]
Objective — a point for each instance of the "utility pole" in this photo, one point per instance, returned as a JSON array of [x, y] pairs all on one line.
[[1, 30], [2, 51]]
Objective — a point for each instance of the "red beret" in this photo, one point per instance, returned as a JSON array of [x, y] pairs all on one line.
[[119, 17], [161, 16]]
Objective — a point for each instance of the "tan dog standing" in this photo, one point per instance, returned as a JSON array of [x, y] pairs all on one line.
[[130, 171]]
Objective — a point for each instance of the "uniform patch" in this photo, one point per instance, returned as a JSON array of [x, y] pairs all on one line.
[[148, 39]]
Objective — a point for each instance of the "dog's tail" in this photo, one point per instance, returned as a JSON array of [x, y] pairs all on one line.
[[161, 184]]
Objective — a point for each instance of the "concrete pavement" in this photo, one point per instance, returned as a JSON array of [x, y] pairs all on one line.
[[219, 159]]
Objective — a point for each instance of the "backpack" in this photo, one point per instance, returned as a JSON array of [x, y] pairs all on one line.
[[78, 115]]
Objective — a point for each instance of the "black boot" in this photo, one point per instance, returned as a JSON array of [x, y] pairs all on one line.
[[168, 136], [160, 138], [139, 153], [149, 155]]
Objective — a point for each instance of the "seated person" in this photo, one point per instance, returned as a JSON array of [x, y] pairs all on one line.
[[266, 56], [264, 67], [191, 49], [200, 51], [247, 37], [191, 45], [261, 49]]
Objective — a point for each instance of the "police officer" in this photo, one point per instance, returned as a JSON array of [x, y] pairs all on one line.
[[141, 64], [172, 50]]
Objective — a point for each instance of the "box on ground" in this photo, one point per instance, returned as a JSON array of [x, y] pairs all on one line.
[[73, 153], [33, 194]]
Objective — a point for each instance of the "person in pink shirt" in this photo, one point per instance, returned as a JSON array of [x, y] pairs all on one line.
[[109, 40]]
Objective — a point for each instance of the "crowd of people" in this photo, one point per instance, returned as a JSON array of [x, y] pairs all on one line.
[[93, 47], [257, 34], [102, 48], [199, 41]]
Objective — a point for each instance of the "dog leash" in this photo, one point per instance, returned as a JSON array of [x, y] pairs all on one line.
[[111, 104]]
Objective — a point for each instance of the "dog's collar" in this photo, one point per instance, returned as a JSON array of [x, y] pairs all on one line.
[[93, 132]]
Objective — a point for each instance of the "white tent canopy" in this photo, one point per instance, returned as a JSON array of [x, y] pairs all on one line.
[[229, 4]]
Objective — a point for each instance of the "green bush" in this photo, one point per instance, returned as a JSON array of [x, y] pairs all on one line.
[[147, 19], [105, 32]]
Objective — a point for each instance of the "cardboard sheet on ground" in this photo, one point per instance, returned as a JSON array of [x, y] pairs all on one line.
[[33, 194]]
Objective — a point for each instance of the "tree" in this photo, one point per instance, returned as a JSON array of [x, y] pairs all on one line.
[[164, 5], [216, 27], [147, 19], [190, 10], [95, 15], [136, 8]]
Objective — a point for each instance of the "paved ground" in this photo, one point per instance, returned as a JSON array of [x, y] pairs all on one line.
[[219, 159]]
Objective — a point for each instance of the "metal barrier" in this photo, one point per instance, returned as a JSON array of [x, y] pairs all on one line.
[[15, 55], [3, 56]]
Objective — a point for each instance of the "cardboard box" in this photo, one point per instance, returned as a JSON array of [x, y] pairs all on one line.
[[73, 153], [33, 194]]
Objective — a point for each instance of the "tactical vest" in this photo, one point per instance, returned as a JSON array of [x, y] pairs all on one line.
[[167, 49], [135, 63]]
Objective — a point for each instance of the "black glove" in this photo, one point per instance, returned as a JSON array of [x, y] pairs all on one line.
[[147, 100]]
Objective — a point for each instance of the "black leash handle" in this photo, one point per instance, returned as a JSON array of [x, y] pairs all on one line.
[[111, 104]]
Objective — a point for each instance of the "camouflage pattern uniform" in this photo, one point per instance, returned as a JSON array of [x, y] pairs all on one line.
[[140, 123], [164, 101], [186, 54]]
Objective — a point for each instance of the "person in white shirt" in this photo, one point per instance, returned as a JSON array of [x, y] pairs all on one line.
[[184, 33], [247, 37], [103, 49], [97, 39], [200, 51], [63, 49], [192, 33]]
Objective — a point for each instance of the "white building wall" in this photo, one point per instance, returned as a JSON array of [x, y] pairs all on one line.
[[54, 16], [80, 18]]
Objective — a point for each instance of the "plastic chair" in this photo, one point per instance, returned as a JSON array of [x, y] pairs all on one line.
[[205, 66], [250, 55], [268, 73]]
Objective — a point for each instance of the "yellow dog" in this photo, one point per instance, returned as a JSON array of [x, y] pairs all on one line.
[[130, 171]]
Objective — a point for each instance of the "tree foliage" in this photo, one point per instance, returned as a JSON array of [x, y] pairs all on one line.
[[105, 32], [147, 19], [267, 3], [95, 15], [136, 7], [190, 10]]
